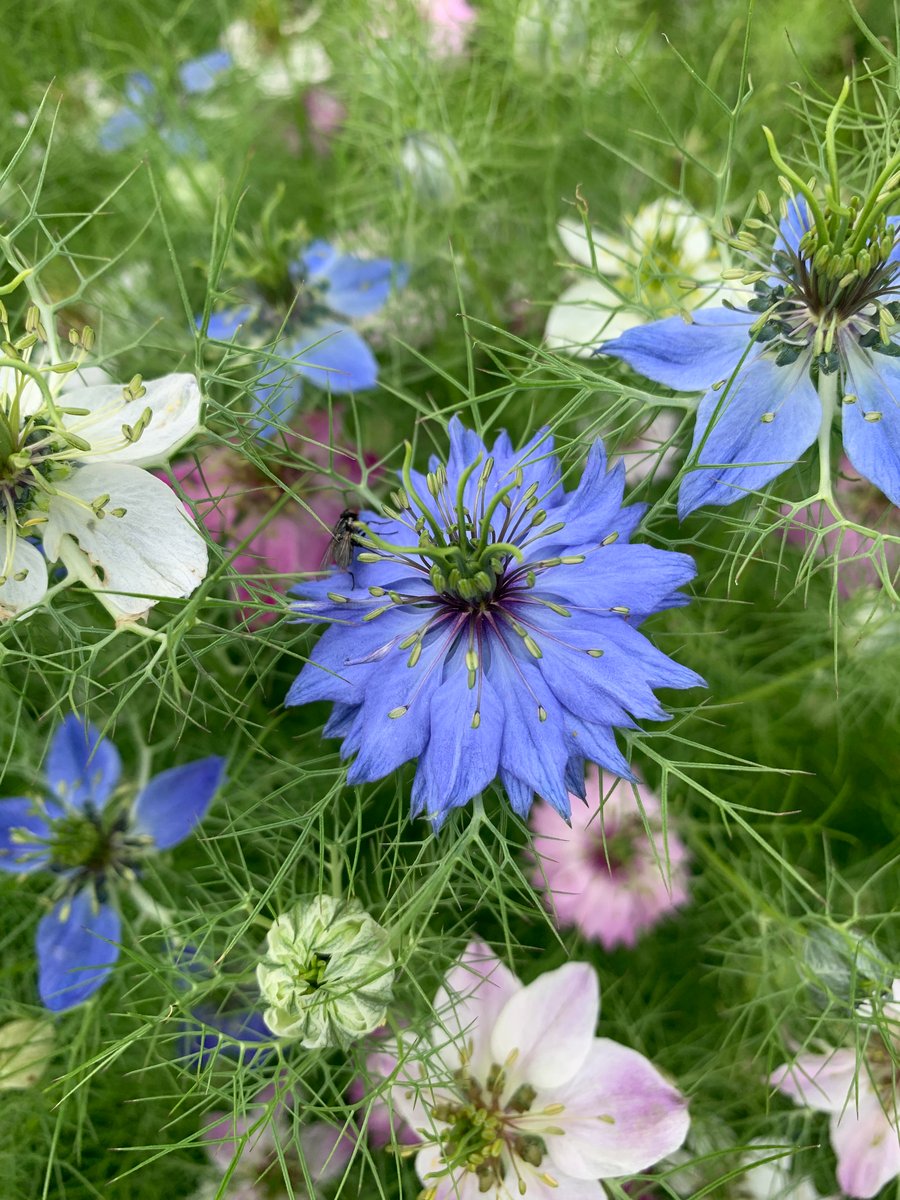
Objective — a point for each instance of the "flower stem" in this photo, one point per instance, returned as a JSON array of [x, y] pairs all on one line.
[[828, 400]]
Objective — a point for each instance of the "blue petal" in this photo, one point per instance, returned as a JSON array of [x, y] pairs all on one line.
[[224, 325], [335, 358], [199, 75], [16, 814], [139, 88], [593, 511], [740, 435], [359, 287], [314, 262], [874, 446], [894, 223], [533, 749], [637, 578], [597, 743], [276, 397], [76, 949], [687, 358], [82, 767], [174, 802], [238, 1034], [463, 752], [122, 129]]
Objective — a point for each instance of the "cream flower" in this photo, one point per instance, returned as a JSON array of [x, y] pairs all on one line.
[[26, 1047], [635, 277], [282, 65], [72, 475]]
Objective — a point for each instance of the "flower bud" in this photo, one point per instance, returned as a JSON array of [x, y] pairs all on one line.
[[25, 1049], [327, 974]]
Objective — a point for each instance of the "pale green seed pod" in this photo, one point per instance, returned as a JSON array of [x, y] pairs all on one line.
[[25, 1049], [327, 973]]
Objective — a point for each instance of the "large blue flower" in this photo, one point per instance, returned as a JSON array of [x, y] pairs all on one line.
[[821, 312], [328, 290], [143, 112], [487, 626], [92, 845]]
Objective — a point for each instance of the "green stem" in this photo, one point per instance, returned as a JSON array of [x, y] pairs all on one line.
[[828, 400]]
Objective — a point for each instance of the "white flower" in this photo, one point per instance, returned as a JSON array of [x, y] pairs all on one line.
[[636, 276], [72, 474], [432, 164], [25, 1049], [327, 974], [769, 1177], [280, 66], [552, 35]]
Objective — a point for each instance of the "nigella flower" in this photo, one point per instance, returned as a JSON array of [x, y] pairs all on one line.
[[143, 111], [511, 1094], [860, 1091], [603, 874], [487, 626], [817, 335], [622, 278], [71, 475], [256, 1148], [92, 839], [311, 310]]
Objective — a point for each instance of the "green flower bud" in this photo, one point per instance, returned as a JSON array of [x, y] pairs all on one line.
[[327, 974], [25, 1050]]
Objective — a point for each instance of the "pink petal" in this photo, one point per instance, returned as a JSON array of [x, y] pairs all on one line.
[[468, 1003], [547, 1028], [867, 1147], [820, 1081], [621, 1115], [463, 1186]]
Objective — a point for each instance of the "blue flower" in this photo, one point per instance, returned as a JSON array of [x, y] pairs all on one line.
[[487, 626], [328, 290], [143, 111], [818, 326], [91, 846]]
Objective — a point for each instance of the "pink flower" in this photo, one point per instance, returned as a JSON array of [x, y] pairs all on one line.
[[862, 1095], [511, 1093], [232, 497], [261, 1137], [862, 504], [326, 114], [449, 22], [603, 874]]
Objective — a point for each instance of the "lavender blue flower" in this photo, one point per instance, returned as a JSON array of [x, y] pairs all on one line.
[[819, 326], [143, 112], [327, 290], [91, 845], [487, 626]]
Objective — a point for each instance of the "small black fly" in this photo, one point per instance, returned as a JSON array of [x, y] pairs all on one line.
[[340, 548]]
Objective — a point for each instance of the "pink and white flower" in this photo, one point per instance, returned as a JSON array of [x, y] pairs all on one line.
[[261, 1139], [862, 1095], [448, 22], [232, 498], [855, 552], [511, 1094], [603, 874]]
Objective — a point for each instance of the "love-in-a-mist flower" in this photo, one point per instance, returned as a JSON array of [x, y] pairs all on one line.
[[26, 1047], [512, 1094], [280, 59], [311, 309], [769, 1176], [233, 496], [448, 24], [92, 836], [861, 1092], [817, 335], [72, 481], [264, 1159], [602, 873], [487, 626], [630, 279], [327, 973], [143, 111]]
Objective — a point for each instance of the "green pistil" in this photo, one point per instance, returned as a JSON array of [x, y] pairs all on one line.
[[76, 842], [312, 976]]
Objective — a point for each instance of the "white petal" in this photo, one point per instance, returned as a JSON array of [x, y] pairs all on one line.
[[18, 595], [586, 314], [30, 395], [154, 550], [614, 257], [174, 403]]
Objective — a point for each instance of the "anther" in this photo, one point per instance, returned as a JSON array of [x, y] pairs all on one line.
[[872, 416], [767, 418], [401, 711]]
